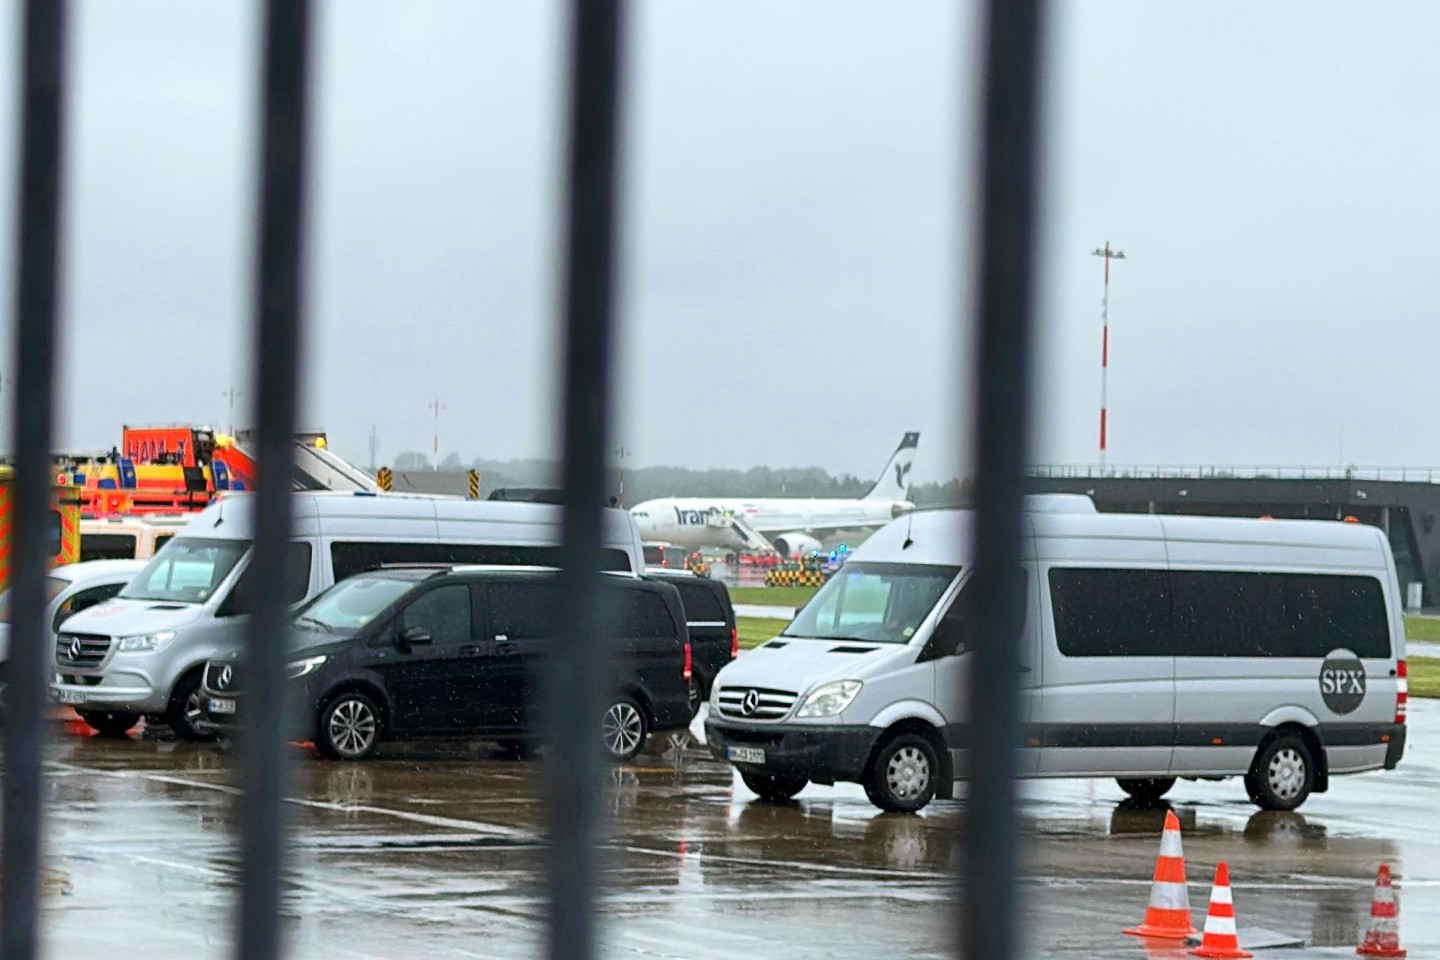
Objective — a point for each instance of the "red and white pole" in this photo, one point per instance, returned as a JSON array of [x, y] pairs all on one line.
[[1109, 255]]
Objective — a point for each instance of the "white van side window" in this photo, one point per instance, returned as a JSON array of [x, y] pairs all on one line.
[[1245, 614], [348, 558], [1111, 612], [1216, 613]]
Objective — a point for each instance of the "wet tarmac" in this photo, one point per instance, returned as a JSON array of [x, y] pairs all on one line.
[[434, 851]]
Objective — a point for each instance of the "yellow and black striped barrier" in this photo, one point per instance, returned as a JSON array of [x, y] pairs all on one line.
[[384, 479], [474, 484], [794, 576]]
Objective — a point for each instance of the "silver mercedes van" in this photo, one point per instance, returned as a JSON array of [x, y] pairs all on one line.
[[1154, 648], [142, 654]]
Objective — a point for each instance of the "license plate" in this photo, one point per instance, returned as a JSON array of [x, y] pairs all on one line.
[[71, 696], [745, 754], [222, 706]]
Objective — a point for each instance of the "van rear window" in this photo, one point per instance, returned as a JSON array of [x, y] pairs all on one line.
[[643, 614], [1215, 613], [700, 603], [107, 546]]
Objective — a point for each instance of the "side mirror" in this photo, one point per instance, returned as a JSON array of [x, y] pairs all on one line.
[[413, 637]]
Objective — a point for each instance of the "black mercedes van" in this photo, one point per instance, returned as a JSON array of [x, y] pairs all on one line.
[[425, 652]]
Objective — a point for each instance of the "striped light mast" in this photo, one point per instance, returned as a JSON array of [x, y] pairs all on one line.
[[1109, 255]]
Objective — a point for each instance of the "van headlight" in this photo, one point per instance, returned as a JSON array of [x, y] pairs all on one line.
[[830, 699], [298, 668], [145, 641]]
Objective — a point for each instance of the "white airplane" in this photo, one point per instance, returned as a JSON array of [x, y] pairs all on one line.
[[787, 524]]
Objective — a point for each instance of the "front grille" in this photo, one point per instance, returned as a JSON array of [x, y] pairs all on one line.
[[81, 649], [222, 678], [763, 703]]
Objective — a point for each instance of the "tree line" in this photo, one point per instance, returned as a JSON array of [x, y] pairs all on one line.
[[637, 484]]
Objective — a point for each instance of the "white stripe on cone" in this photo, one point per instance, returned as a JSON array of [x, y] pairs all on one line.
[[1170, 896], [1170, 844], [1221, 895], [1220, 926]]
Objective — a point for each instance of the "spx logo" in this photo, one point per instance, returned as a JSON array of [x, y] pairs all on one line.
[[1342, 681]]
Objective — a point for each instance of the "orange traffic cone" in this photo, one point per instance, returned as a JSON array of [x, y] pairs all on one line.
[[1220, 939], [1382, 939], [1168, 916]]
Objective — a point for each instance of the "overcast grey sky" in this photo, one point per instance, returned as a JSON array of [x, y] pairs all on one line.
[[796, 256]]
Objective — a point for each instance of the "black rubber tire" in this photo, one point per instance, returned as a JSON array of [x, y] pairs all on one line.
[[1283, 773], [109, 723], [911, 784], [773, 787], [624, 729], [1148, 789], [351, 711], [186, 708]]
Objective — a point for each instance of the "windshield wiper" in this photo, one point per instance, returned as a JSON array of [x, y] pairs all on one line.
[[319, 623]]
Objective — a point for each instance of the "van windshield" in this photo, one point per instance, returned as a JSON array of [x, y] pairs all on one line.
[[350, 604], [187, 570], [874, 602]]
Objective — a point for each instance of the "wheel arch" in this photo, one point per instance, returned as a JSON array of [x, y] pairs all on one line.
[[1311, 739], [197, 668], [945, 788], [355, 685], [637, 693]]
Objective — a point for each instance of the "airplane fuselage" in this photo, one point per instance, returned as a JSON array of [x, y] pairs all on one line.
[[694, 522]]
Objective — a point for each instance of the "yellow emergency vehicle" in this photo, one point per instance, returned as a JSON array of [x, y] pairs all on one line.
[[63, 528]]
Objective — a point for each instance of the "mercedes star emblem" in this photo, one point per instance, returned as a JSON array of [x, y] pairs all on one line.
[[751, 703], [75, 648], [226, 675]]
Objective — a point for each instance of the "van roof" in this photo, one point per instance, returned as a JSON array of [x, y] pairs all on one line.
[[236, 510], [944, 536]]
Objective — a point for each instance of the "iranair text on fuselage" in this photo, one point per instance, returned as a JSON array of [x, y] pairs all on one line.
[[757, 523]]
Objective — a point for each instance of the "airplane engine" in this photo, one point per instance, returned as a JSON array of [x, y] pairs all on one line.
[[789, 544]]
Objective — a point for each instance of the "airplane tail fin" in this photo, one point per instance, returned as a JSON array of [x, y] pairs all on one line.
[[891, 485]]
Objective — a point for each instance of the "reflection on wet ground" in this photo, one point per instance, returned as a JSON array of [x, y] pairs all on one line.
[[434, 851]]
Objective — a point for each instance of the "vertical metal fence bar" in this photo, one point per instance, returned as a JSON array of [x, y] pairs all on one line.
[[1002, 370], [33, 415], [278, 299], [576, 674]]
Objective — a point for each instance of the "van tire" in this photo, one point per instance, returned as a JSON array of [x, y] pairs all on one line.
[[349, 727], [624, 729], [109, 723], [1283, 773], [1147, 789], [186, 709], [773, 787], [903, 774]]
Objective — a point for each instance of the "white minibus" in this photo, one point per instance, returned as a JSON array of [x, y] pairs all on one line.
[[1153, 648], [128, 537], [143, 652]]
